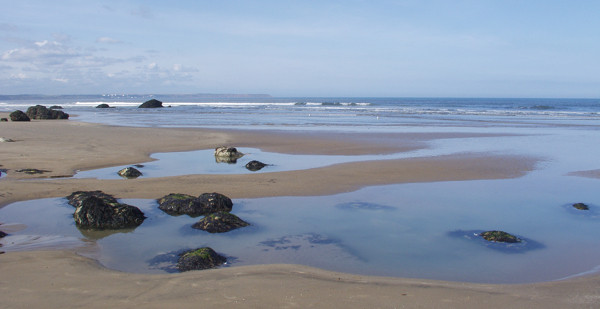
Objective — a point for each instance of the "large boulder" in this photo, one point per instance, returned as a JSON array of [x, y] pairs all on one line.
[[201, 258], [41, 112], [99, 213], [19, 116], [254, 166], [499, 236], [129, 172], [151, 104], [227, 152], [220, 222], [77, 197], [183, 204]]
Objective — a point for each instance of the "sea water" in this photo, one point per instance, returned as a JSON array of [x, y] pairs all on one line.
[[422, 230]]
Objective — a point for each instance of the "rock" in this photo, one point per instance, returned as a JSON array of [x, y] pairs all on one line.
[[228, 160], [581, 206], [103, 105], [5, 140], [255, 165], [3, 119], [499, 236], [99, 213], [31, 171], [19, 116], [151, 104], [230, 152], [183, 204], [198, 259], [220, 222], [129, 172], [41, 112], [77, 197], [55, 107], [2, 234], [139, 165]]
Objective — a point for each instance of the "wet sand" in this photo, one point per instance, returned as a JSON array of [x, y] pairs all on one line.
[[61, 278]]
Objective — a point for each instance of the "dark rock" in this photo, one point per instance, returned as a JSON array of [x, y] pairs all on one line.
[[139, 165], [230, 152], [19, 116], [41, 112], [220, 222], [3, 119], [31, 171], [151, 104], [581, 206], [77, 197], [524, 245], [198, 259], [2, 234], [55, 107], [255, 165], [103, 105], [98, 213], [129, 172], [499, 236], [183, 204]]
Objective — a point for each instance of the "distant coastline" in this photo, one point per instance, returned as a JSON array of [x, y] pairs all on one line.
[[131, 96]]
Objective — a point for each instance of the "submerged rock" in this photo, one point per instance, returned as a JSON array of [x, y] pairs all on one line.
[[99, 213], [103, 105], [41, 112], [228, 152], [220, 222], [255, 165], [32, 171], [129, 172], [581, 206], [183, 204], [77, 197], [198, 259], [151, 104], [499, 236], [19, 116]]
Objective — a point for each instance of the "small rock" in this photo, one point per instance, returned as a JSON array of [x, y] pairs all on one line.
[[19, 116], [2, 234], [198, 259], [230, 152], [255, 165], [5, 140], [581, 206], [31, 171], [499, 236], [103, 105], [220, 222], [98, 213], [151, 104], [129, 172]]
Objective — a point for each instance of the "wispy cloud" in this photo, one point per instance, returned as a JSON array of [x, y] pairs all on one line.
[[142, 11], [108, 40], [41, 53], [8, 27]]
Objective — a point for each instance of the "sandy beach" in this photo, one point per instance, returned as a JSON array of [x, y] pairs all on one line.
[[63, 279]]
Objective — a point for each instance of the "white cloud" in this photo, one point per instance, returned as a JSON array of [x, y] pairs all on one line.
[[152, 66], [108, 40], [180, 68], [41, 53], [19, 76], [62, 80]]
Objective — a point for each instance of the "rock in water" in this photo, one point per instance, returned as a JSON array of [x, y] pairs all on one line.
[[55, 107], [77, 197], [255, 165], [198, 259], [151, 104], [220, 222], [581, 206], [229, 152], [3, 119], [129, 172], [183, 204], [41, 112], [103, 105], [19, 116], [97, 213], [499, 236]]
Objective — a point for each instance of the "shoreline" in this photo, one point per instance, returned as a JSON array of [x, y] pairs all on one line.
[[63, 146]]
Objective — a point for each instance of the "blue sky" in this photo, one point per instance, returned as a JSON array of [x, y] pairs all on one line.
[[406, 48]]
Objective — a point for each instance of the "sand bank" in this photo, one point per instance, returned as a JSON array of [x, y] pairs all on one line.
[[58, 279]]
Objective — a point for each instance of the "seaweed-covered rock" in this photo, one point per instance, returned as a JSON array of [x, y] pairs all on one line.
[[77, 197], [41, 112], [19, 116], [499, 236], [581, 206], [103, 105], [198, 259], [151, 104], [32, 171], [220, 222], [129, 172], [228, 152], [183, 204], [3, 119], [255, 165], [98, 213]]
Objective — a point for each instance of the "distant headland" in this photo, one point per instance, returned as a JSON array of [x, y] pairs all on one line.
[[131, 96]]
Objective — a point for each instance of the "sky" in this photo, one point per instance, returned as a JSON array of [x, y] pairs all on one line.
[[411, 48]]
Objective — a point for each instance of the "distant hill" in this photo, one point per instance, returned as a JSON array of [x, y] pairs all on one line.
[[131, 96]]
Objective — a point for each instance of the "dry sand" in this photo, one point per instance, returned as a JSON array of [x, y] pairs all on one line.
[[63, 279]]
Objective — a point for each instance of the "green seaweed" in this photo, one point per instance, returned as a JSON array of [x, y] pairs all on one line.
[[499, 236], [581, 206]]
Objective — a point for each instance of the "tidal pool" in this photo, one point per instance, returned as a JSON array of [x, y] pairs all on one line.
[[395, 230]]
